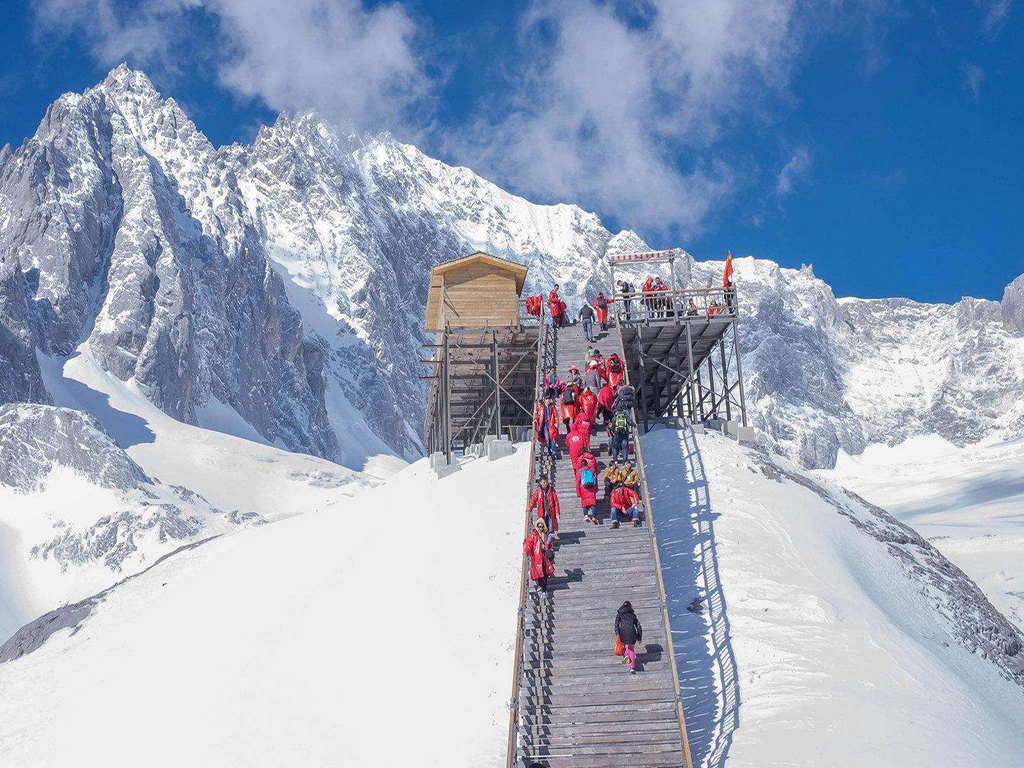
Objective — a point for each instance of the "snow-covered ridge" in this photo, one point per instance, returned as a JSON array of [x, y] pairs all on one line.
[[286, 278]]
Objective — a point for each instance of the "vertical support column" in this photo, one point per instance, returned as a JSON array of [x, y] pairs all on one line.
[[497, 384], [682, 384], [447, 411], [739, 370], [641, 391], [700, 393], [676, 302], [689, 362], [711, 385], [725, 380]]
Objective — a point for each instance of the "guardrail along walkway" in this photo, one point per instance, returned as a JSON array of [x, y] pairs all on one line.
[[578, 705]]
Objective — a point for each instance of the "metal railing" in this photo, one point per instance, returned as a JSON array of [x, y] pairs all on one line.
[[637, 307]]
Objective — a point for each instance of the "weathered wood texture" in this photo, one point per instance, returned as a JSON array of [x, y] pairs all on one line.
[[478, 291], [578, 705]]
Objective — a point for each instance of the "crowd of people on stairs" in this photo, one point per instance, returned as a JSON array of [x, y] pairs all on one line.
[[594, 396]]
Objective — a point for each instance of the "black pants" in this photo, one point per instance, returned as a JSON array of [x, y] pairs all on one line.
[[605, 414], [542, 583]]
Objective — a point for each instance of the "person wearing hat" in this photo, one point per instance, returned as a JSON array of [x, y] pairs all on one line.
[[592, 378], [538, 550]]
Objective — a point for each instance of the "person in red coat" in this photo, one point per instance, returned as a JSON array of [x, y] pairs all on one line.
[[545, 501], [567, 403], [537, 548], [605, 400], [576, 445], [545, 425], [601, 307], [583, 427], [588, 405], [556, 307], [616, 370], [624, 504], [587, 493]]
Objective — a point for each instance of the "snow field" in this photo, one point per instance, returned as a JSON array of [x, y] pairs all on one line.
[[378, 632]]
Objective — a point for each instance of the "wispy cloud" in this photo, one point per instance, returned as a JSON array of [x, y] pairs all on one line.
[[794, 172], [994, 14], [973, 75], [340, 58]]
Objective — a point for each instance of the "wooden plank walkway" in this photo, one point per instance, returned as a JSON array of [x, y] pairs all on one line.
[[578, 705]]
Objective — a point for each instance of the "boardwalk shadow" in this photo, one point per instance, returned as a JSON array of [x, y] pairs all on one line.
[[700, 625]]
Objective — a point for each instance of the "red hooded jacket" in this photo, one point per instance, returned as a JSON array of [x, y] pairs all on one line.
[[534, 548], [538, 422], [624, 498], [588, 496]]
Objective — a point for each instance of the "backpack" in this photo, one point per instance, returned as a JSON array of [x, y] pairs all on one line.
[[621, 422], [602, 302], [587, 478], [569, 396], [615, 365], [625, 398]]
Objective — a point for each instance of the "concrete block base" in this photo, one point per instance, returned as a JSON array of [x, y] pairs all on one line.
[[500, 448], [745, 435], [440, 465]]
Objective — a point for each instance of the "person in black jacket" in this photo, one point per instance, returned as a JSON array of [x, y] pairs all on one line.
[[629, 631]]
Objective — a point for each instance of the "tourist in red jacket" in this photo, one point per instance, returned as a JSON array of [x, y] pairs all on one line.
[[601, 307], [545, 425], [605, 400], [537, 548], [545, 501], [616, 370], [556, 307], [585, 490], [567, 403], [588, 405], [624, 504], [583, 428], [576, 446]]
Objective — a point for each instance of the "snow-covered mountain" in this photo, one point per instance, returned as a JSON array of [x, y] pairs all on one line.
[[285, 279]]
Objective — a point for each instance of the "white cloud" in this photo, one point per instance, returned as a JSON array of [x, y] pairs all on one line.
[[973, 75], [336, 56], [795, 171], [628, 116]]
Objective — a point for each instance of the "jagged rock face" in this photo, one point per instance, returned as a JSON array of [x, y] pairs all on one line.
[[131, 234], [20, 377], [288, 278], [1013, 306], [39, 441]]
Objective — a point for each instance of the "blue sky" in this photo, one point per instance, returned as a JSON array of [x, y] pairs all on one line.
[[882, 141]]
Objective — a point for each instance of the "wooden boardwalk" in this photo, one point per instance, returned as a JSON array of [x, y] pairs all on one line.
[[577, 704]]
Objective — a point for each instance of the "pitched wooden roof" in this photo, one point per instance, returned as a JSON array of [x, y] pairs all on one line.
[[481, 256]]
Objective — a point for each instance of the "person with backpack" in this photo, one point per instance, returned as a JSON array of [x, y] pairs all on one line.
[[624, 503], [568, 404], [545, 425], [612, 477], [542, 559], [601, 305], [629, 632], [583, 426], [587, 316], [616, 370], [605, 400], [586, 486], [545, 500], [625, 398], [620, 436]]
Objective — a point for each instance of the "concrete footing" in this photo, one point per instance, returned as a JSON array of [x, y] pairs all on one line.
[[499, 448], [439, 463]]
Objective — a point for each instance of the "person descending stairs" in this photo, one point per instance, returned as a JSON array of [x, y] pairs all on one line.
[[578, 704]]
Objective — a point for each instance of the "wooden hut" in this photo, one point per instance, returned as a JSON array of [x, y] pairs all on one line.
[[484, 359], [475, 291]]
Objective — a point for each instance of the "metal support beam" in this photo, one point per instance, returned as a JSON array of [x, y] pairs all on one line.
[[689, 360], [739, 370], [725, 382], [497, 385]]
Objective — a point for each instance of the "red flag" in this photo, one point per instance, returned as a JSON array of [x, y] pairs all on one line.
[[728, 270]]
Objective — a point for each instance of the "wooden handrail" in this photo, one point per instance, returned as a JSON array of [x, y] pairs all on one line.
[[657, 565], [513, 715]]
